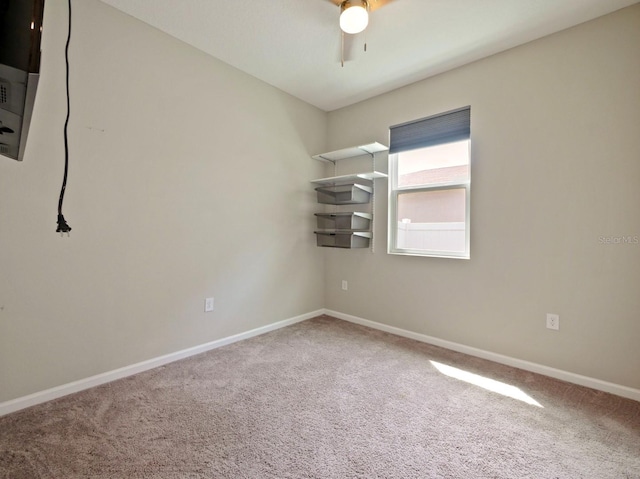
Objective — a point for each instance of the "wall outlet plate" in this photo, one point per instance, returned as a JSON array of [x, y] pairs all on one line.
[[208, 305], [553, 321], [345, 285]]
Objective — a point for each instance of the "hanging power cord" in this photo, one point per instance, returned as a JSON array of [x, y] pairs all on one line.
[[63, 227]]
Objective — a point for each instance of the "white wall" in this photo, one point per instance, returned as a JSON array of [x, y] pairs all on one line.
[[187, 179], [555, 174]]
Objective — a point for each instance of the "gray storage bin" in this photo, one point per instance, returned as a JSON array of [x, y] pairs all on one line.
[[348, 194], [350, 220], [343, 239]]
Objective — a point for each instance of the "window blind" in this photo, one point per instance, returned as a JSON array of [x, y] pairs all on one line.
[[442, 128]]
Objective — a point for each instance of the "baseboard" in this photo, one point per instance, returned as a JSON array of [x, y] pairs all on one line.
[[17, 404], [605, 386], [82, 384]]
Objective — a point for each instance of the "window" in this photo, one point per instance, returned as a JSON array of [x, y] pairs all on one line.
[[429, 186]]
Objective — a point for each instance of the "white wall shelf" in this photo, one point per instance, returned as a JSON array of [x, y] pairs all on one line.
[[335, 180], [351, 152], [353, 229]]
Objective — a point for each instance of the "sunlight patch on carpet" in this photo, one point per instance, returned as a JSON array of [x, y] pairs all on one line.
[[486, 383]]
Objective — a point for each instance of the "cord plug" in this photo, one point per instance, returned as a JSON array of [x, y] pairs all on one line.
[[63, 227]]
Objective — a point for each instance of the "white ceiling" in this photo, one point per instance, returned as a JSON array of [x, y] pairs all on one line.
[[294, 45]]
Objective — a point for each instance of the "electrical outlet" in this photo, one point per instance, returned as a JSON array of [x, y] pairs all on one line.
[[553, 321], [345, 285], [208, 305]]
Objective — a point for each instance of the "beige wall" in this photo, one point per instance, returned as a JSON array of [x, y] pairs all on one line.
[[188, 179], [555, 176]]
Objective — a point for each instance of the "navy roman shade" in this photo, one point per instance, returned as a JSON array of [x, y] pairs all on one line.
[[443, 128]]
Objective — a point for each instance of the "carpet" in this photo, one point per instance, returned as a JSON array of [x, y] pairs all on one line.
[[327, 399]]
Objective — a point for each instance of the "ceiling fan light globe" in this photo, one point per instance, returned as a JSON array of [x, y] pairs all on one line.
[[354, 19]]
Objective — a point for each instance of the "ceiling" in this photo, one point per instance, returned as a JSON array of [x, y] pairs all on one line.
[[294, 45]]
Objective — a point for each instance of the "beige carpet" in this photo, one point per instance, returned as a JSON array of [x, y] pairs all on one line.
[[326, 399]]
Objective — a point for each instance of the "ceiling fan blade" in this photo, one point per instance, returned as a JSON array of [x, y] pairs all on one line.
[[373, 4]]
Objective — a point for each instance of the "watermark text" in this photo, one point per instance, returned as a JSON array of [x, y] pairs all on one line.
[[619, 239]]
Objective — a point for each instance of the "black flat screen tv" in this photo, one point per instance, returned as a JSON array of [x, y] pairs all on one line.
[[20, 35]]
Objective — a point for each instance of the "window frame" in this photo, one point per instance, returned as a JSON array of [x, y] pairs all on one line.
[[395, 191]]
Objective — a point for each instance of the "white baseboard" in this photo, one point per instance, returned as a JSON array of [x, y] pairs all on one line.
[[605, 386], [82, 384]]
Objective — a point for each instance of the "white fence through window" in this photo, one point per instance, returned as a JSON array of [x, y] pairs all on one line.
[[431, 236]]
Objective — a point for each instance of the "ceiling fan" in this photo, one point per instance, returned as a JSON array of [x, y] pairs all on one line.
[[373, 4], [354, 17]]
